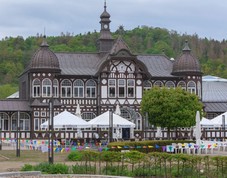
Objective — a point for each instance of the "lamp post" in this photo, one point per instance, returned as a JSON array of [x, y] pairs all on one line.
[[110, 126], [223, 125], [18, 135], [51, 134]]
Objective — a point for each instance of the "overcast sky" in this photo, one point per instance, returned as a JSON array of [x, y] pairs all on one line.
[[207, 18]]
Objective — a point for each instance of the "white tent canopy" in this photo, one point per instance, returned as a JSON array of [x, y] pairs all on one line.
[[103, 121], [67, 120], [206, 122], [218, 121]]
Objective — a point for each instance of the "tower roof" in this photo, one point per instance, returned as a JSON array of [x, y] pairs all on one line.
[[44, 58], [105, 14], [186, 63]]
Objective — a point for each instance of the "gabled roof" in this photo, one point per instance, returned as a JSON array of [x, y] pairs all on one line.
[[119, 45]]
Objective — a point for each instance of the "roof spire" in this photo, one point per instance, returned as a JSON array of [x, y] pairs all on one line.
[[44, 32], [105, 5]]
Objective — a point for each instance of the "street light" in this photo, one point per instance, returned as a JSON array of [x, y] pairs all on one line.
[[51, 133], [110, 126], [18, 135], [223, 125]]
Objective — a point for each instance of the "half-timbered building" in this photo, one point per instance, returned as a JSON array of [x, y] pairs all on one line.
[[96, 81]]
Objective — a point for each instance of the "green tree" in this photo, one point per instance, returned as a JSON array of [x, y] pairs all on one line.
[[7, 90], [170, 108]]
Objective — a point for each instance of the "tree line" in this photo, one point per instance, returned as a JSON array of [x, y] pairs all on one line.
[[16, 52]]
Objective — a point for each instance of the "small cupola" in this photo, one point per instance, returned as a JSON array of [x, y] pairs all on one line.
[[186, 63], [105, 40], [44, 58]]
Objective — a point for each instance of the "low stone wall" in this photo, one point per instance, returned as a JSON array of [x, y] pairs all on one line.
[[21, 174], [37, 174]]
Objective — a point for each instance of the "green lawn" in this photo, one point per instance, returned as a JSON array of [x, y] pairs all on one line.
[[31, 156]]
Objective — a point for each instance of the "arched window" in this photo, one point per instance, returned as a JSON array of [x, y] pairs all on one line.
[[199, 90], [191, 87], [55, 88], [4, 119], [91, 89], [147, 85], [182, 84], [170, 84], [87, 116], [24, 122], [46, 88], [66, 89], [158, 84], [138, 121], [36, 88], [78, 89]]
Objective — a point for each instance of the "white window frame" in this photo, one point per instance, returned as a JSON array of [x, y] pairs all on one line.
[[36, 123], [66, 88], [131, 86], [147, 85], [121, 85], [182, 84], [87, 116], [78, 89], [90, 89], [169, 84], [191, 87], [46, 88], [36, 85], [5, 121], [158, 83], [112, 88], [55, 88], [24, 121]]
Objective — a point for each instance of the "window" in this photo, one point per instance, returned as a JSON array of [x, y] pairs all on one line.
[[36, 124], [66, 87], [88, 116], [42, 121], [55, 88], [46, 88], [147, 85], [191, 87], [121, 88], [78, 89], [36, 88], [112, 88], [131, 88], [158, 84], [91, 89], [4, 119], [170, 84], [24, 122], [182, 85], [43, 114], [36, 113]]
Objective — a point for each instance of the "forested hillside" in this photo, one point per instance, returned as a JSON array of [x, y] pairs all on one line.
[[15, 53]]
